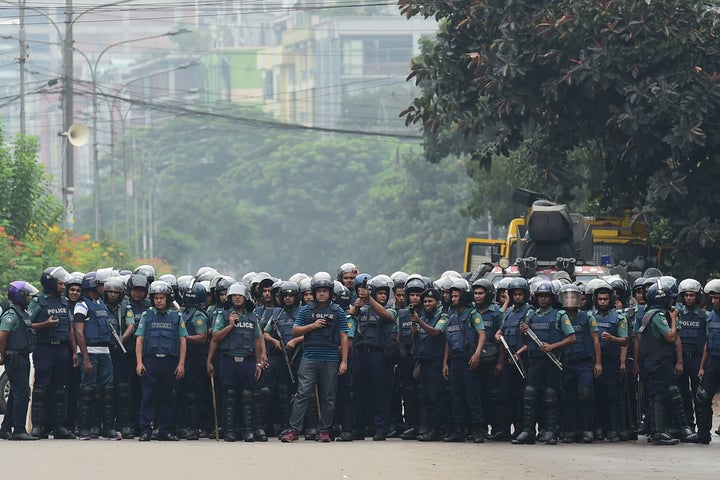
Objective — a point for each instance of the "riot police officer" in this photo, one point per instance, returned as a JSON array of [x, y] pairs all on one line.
[[53, 355], [17, 340], [465, 335], [554, 331], [581, 362], [656, 339], [324, 328], [408, 296], [238, 338], [693, 327], [160, 355], [133, 307], [93, 332], [370, 367], [709, 372]]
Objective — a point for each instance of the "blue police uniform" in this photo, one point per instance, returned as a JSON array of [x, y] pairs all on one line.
[[161, 332], [693, 328], [710, 383], [190, 389], [429, 352], [512, 384], [20, 342], [610, 404], [492, 318]]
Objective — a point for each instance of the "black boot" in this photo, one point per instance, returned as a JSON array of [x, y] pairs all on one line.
[[108, 414], [570, 420], [703, 415], [96, 415], [660, 435], [59, 411], [346, 414], [678, 407], [192, 416], [478, 433], [246, 412], [229, 418], [85, 413], [260, 401], [585, 411], [124, 411], [457, 435], [285, 400], [552, 414], [39, 412], [527, 436]]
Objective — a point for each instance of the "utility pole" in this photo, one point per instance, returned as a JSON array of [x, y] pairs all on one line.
[[21, 60], [68, 107]]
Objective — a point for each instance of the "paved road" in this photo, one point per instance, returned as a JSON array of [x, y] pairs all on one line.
[[394, 459]]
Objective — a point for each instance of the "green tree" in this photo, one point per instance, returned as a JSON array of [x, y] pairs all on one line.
[[631, 84]]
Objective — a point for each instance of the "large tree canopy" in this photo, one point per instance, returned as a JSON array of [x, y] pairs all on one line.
[[633, 84]]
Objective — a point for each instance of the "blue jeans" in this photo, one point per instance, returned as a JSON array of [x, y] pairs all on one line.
[[102, 371], [311, 373]]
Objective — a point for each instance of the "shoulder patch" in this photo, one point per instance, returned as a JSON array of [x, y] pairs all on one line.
[[477, 320], [200, 322], [182, 324], [567, 322]]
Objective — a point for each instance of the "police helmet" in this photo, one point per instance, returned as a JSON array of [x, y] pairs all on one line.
[[221, 283], [75, 279], [296, 277], [184, 283], [413, 285], [544, 287], [275, 289], [322, 280], [247, 278], [670, 283], [88, 281], [341, 293], [115, 284], [205, 273], [138, 280], [649, 281], [570, 296], [488, 286], [195, 295], [638, 284], [463, 287], [20, 292], [346, 268], [362, 278], [659, 296], [148, 271], [563, 276], [238, 288], [170, 279], [713, 286], [596, 283], [380, 282], [519, 283], [305, 285], [160, 287], [451, 273], [50, 277], [690, 285], [442, 283], [399, 278], [102, 275], [428, 281], [289, 288]]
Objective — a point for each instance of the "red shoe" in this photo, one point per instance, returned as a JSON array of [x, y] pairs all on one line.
[[289, 436], [323, 437]]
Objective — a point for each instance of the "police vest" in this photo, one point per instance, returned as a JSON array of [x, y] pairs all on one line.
[[97, 324], [187, 316], [406, 334], [284, 321], [22, 338], [161, 333], [461, 337], [265, 316], [59, 308], [650, 345], [511, 325], [608, 323], [546, 327], [240, 342], [328, 337], [429, 347], [582, 349], [693, 331], [371, 329], [491, 319], [713, 334]]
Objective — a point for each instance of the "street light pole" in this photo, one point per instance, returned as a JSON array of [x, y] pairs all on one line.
[[95, 164], [68, 107]]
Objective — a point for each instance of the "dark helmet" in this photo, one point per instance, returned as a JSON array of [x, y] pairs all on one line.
[[596, 286], [638, 284], [545, 287], [345, 268], [138, 280], [184, 283], [659, 296], [19, 292], [114, 284], [620, 287], [671, 283], [488, 286], [221, 283], [362, 278], [289, 288], [413, 285], [322, 280], [88, 281], [570, 296], [160, 287], [50, 277], [519, 283], [195, 295], [148, 271]]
